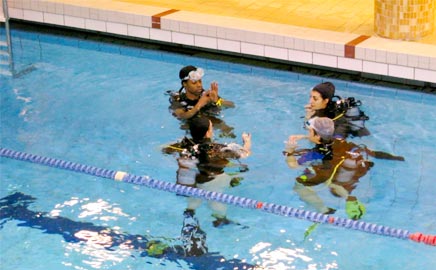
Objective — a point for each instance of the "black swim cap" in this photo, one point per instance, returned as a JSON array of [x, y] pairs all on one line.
[[184, 72], [326, 89], [198, 126]]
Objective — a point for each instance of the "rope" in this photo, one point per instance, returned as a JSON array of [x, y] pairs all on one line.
[[221, 197]]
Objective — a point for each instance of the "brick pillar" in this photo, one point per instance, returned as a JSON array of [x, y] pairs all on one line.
[[404, 19]]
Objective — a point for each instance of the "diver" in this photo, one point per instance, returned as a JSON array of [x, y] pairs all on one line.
[[333, 162], [202, 164], [192, 100], [349, 119]]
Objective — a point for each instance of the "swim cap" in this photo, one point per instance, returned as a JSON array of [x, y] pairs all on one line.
[[326, 89], [324, 126]]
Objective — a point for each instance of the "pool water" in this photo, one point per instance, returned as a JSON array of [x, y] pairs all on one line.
[[102, 102]]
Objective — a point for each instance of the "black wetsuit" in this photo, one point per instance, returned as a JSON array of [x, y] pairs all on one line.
[[343, 125]]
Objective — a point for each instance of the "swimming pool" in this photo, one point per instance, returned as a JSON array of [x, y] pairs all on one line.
[[102, 103]]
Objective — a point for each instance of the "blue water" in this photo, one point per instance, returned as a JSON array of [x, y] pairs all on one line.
[[102, 104]]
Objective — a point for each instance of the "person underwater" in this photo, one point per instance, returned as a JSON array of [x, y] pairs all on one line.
[[332, 162]]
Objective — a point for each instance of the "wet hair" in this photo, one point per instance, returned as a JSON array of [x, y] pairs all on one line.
[[325, 89], [198, 126], [184, 72]]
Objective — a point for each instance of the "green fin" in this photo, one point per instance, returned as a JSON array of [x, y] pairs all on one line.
[[310, 230]]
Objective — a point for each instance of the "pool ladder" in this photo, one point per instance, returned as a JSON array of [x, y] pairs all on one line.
[[6, 58]]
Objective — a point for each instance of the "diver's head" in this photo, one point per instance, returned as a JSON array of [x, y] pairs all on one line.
[[321, 95], [321, 129], [191, 79], [200, 128]]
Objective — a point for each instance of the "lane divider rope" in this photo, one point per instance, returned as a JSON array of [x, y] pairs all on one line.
[[221, 197]]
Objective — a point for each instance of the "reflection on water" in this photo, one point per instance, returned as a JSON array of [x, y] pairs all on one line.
[[103, 246], [96, 245], [280, 258]]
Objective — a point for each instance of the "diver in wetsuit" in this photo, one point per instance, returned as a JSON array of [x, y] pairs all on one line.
[[334, 162], [192, 100], [202, 164], [346, 113]]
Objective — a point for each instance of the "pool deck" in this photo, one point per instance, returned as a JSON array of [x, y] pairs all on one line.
[[328, 34]]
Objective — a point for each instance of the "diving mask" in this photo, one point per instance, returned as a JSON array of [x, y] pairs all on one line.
[[195, 75]]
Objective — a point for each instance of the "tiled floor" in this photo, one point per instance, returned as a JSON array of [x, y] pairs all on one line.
[[351, 16], [329, 34]]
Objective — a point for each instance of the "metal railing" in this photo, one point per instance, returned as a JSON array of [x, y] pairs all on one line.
[[8, 35]]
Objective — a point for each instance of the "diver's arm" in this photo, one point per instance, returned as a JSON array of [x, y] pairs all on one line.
[[235, 150], [225, 103], [246, 139], [182, 113], [289, 152], [215, 98], [291, 160]]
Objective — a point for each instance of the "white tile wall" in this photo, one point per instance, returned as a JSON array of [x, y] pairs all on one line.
[[391, 58], [289, 42], [359, 53], [300, 56], [325, 60], [252, 49], [201, 30], [206, 42], [97, 14], [116, 28], [53, 18], [59, 8], [170, 25], [375, 68], [402, 59], [160, 35], [16, 13], [276, 53], [309, 46], [401, 71], [117, 16], [298, 44], [74, 22], [380, 56], [433, 63], [369, 55], [182, 38], [35, 16], [425, 75], [423, 62], [95, 25], [350, 64], [51, 8], [229, 45], [138, 31], [412, 60]]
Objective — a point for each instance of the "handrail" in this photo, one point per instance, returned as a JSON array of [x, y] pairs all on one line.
[[8, 35], [221, 197]]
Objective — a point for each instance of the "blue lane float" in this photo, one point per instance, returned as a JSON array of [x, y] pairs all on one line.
[[221, 197]]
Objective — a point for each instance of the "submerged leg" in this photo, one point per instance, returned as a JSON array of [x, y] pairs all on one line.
[[309, 196], [192, 236]]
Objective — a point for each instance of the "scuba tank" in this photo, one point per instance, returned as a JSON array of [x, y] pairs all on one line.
[[353, 114]]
